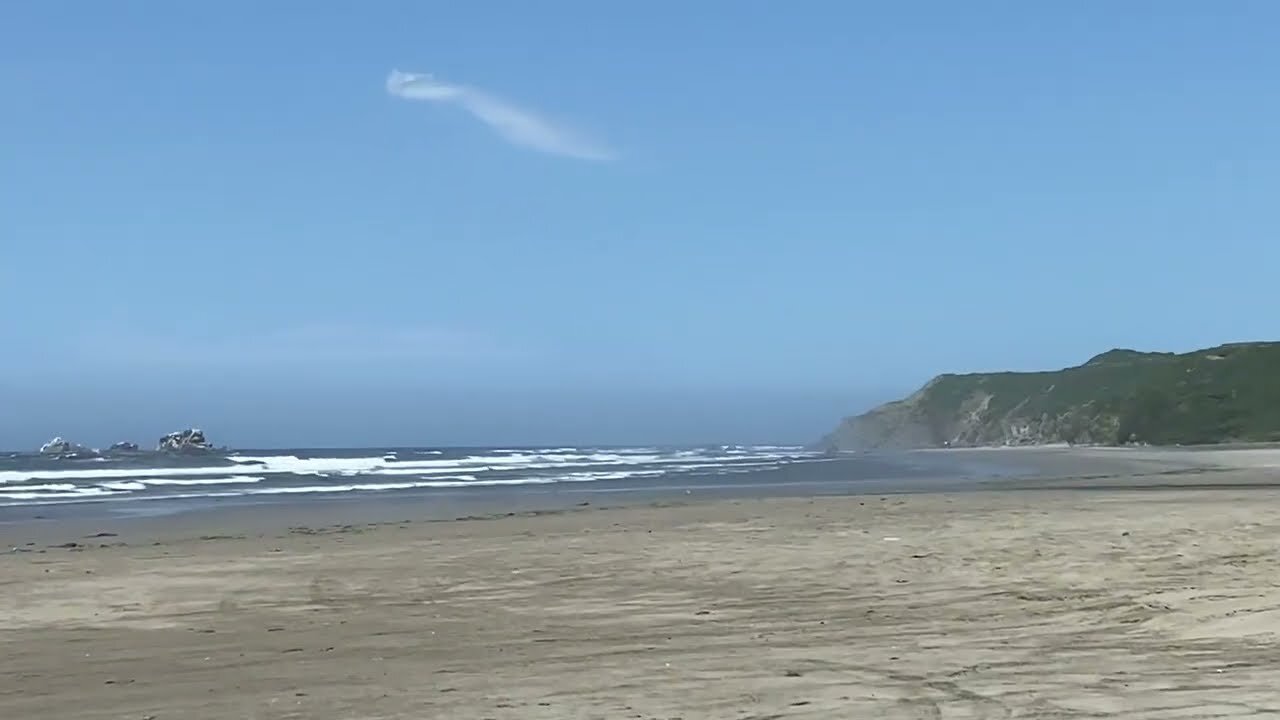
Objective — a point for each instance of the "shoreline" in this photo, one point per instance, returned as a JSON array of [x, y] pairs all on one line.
[[970, 604], [33, 528], [1047, 469]]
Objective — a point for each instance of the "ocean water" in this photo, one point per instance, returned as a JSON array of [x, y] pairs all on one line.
[[297, 475]]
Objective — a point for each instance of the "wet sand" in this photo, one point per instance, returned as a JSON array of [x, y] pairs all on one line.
[[1154, 603]]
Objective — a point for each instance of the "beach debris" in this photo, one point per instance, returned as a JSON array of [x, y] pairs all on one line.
[[191, 440], [892, 539]]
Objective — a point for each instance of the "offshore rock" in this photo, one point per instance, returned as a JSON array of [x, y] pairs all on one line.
[[66, 450], [56, 446], [187, 441], [123, 447]]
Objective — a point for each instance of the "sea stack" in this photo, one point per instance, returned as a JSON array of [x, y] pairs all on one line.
[[190, 441], [66, 450]]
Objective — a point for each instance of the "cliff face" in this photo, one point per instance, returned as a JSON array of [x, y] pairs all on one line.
[[1227, 393]]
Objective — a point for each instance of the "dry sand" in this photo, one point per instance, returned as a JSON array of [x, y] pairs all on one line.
[[1154, 604]]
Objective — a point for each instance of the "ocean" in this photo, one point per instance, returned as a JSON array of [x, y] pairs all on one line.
[[250, 476]]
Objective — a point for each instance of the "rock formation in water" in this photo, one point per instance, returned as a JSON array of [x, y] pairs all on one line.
[[123, 447], [190, 441], [66, 450], [1223, 394]]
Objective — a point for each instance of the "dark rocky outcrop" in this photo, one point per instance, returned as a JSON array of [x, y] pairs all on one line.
[[66, 450], [190, 441]]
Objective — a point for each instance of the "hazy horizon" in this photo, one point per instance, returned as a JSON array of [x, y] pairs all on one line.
[[398, 410], [303, 419]]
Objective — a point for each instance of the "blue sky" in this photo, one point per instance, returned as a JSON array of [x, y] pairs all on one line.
[[216, 213]]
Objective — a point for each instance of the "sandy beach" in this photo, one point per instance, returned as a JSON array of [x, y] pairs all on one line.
[[1153, 603]]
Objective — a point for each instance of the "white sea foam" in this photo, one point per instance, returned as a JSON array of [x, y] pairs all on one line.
[[79, 493], [116, 488], [229, 480], [19, 476], [420, 469], [56, 487], [614, 475], [331, 488], [123, 485], [458, 481], [252, 465]]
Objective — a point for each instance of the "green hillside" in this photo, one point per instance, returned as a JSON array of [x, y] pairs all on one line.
[[1222, 394]]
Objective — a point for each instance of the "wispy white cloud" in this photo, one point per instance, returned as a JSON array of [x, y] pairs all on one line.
[[516, 125]]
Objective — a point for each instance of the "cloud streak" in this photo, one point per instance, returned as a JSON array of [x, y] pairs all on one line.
[[516, 125]]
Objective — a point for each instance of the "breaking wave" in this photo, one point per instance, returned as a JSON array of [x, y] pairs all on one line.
[[27, 479]]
